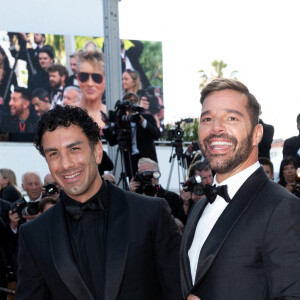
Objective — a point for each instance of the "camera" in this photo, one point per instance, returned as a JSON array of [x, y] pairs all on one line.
[[50, 189], [121, 120], [149, 93], [119, 115], [22, 207], [145, 178], [176, 134], [18, 36], [193, 184], [296, 190]]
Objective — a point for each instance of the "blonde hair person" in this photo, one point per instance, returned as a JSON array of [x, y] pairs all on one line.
[[91, 81], [131, 81], [9, 190]]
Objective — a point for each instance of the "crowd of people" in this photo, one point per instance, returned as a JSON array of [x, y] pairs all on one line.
[[77, 235]]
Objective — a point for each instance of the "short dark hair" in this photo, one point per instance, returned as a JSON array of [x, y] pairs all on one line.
[[62, 70], [298, 118], [46, 200], [41, 93], [25, 93], [198, 166], [220, 84], [47, 49], [64, 117], [286, 161], [266, 161]]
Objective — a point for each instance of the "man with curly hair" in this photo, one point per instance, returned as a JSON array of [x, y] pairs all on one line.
[[98, 241]]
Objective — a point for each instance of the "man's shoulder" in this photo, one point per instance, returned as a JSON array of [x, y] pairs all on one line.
[[40, 223], [135, 200], [292, 139]]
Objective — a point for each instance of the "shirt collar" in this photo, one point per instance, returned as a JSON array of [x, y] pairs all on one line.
[[235, 182], [101, 195]]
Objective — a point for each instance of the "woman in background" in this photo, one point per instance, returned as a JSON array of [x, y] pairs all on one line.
[[91, 80], [288, 175], [9, 190]]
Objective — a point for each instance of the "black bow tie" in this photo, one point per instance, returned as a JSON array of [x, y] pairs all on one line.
[[211, 192], [76, 212]]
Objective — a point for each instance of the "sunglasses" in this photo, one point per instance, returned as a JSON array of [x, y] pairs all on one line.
[[83, 77]]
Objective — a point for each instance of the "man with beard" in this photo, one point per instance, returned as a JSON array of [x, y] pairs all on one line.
[[21, 123], [57, 79], [242, 241]]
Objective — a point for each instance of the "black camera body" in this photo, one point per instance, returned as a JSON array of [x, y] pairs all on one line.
[[22, 207], [49, 189], [149, 93], [145, 178], [193, 185], [296, 190], [119, 116], [121, 121]]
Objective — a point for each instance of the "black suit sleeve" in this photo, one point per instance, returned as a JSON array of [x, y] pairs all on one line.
[[31, 284], [151, 129], [281, 251], [167, 242]]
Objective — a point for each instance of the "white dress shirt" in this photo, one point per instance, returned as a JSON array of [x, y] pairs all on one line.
[[212, 213]]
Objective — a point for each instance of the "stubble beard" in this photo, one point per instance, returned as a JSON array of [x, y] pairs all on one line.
[[225, 163]]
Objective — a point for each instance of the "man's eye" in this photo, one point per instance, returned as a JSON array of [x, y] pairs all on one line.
[[206, 120], [75, 148], [52, 154], [232, 119]]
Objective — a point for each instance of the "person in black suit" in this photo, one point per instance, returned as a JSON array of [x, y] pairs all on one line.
[[130, 60], [140, 140], [242, 241], [291, 146], [41, 78], [98, 241], [147, 182], [264, 146]]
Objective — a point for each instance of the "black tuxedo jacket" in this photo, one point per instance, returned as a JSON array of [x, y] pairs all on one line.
[[134, 53], [253, 251], [141, 260], [291, 147], [145, 137], [264, 146]]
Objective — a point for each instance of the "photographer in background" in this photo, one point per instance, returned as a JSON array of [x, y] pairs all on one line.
[[146, 181], [139, 129], [189, 194], [23, 210]]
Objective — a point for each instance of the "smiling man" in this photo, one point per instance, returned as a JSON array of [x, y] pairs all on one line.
[[242, 241], [98, 241], [20, 123]]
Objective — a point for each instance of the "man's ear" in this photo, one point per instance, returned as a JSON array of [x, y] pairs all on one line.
[[98, 152], [257, 134]]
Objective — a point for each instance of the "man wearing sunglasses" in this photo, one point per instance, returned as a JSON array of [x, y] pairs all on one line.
[[91, 81]]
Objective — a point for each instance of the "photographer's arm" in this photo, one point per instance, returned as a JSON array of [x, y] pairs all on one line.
[[151, 129]]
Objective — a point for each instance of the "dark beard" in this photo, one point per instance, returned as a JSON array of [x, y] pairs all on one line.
[[228, 163]]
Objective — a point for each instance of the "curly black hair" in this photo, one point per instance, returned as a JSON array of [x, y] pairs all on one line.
[[65, 116]]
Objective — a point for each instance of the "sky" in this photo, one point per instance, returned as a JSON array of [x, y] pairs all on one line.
[[259, 39]]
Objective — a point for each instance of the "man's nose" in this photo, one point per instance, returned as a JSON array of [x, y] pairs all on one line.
[[67, 161], [217, 126]]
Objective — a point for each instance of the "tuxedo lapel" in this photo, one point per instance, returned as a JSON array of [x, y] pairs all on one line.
[[228, 220], [116, 242], [187, 239], [63, 257]]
